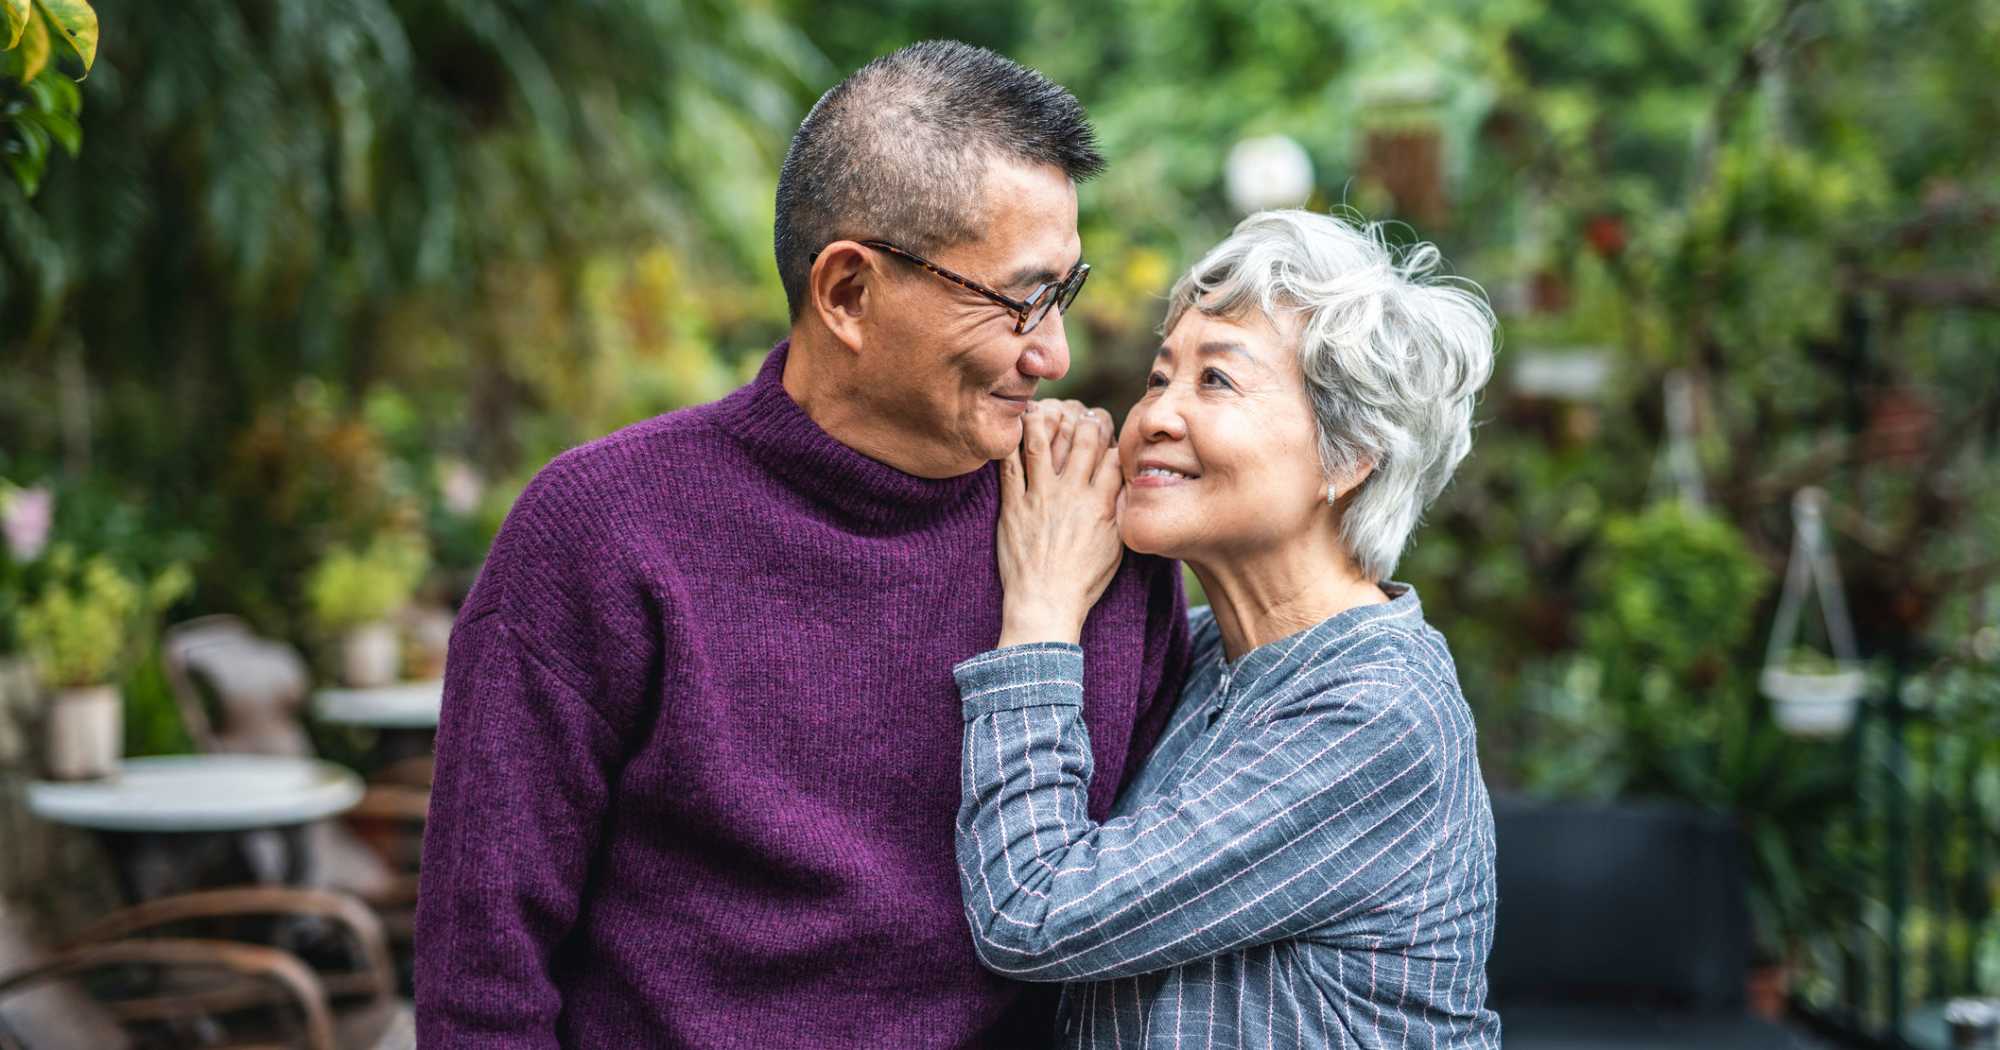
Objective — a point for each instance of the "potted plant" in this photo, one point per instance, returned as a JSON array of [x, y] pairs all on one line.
[[1812, 693], [80, 630], [354, 592]]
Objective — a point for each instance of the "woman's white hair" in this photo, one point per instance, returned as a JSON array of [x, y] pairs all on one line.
[[1393, 354]]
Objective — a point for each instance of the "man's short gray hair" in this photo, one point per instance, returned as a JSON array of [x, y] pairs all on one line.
[[1393, 355], [899, 151]]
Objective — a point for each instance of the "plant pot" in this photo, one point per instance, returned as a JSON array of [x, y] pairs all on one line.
[[426, 640], [1814, 703], [370, 655], [86, 732], [1767, 990]]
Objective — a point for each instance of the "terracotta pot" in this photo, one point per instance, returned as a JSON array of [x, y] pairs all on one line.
[[1767, 989], [86, 728], [426, 640], [370, 655]]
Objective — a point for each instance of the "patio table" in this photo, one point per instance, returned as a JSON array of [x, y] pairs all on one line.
[[164, 817], [404, 713]]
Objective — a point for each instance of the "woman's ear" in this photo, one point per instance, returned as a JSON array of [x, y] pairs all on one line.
[[839, 288], [1339, 489]]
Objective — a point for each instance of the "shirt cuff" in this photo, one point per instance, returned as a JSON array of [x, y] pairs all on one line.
[[1038, 674]]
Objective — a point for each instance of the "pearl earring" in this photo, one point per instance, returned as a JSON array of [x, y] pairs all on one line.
[[1331, 494]]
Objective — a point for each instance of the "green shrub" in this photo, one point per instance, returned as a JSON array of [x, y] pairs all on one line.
[[350, 587], [84, 624]]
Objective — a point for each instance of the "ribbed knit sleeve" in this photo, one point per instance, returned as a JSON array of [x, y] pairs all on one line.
[[1324, 805], [546, 680]]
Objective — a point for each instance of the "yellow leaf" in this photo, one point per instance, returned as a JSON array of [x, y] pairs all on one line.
[[34, 49], [76, 23], [17, 12]]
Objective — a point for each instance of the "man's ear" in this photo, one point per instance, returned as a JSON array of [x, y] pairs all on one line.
[[840, 290]]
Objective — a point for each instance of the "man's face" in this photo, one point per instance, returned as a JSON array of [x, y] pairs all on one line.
[[950, 371]]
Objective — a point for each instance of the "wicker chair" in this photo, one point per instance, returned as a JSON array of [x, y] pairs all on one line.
[[258, 687], [128, 993]]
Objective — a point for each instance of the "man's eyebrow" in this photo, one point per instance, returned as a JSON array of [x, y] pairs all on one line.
[[1028, 277], [1032, 274]]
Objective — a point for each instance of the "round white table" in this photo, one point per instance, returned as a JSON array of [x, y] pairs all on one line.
[[403, 705], [171, 793], [156, 814]]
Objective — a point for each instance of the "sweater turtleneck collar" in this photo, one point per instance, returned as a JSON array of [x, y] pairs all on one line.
[[788, 443]]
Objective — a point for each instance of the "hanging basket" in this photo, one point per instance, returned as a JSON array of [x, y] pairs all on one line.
[[1814, 703], [1818, 699]]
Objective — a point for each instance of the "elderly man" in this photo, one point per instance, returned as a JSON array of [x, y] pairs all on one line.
[[699, 761]]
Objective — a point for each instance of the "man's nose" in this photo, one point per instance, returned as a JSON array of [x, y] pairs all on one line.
[[1047, 356]]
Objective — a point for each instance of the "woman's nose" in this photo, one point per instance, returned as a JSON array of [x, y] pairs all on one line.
[[1160, 418]]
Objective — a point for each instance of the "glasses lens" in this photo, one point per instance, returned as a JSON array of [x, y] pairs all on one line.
[[1074, 286], [1050, 296], [1039, 310]]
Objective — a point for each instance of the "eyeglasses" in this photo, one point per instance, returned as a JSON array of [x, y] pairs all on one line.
[[1027, 312]]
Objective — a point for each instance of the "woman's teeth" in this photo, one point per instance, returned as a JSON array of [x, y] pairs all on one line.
[[1162, 472]]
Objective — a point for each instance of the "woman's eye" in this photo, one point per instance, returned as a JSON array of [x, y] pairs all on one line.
[[1210, 375], [1155, 380]]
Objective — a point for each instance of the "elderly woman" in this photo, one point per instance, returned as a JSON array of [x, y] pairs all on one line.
[[1306, 858]]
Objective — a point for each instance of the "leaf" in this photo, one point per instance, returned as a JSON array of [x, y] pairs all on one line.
[[16, 12], [25, 170], [76, 23], [34, 48]]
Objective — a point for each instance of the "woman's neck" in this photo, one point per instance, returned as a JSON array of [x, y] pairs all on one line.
[[1281, 591]]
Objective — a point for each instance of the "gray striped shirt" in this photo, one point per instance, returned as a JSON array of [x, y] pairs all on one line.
[[1305, 860]]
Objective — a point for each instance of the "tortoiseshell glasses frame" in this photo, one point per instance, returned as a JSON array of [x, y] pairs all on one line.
[[1027, 312]]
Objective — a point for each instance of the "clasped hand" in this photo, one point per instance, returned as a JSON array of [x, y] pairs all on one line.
[[1058, 542]]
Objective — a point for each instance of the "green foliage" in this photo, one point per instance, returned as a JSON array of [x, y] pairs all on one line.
[[153, 719], [1677, 588], [82, 625], [39, 107], [355, 586], [346, 256]]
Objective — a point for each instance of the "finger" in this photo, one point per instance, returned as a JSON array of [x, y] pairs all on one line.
[[1110, 474], [1108, 432], [1064, 440], [1036, 433], [1013, 476], [1086, 449]]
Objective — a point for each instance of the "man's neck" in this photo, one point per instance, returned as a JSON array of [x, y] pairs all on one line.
[[821, 380]]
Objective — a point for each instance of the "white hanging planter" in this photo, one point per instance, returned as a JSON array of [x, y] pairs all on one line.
[[370, 655], [1813, 701], [86, 732]]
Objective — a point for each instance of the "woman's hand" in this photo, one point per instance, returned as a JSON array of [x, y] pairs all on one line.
[[1058, 537]]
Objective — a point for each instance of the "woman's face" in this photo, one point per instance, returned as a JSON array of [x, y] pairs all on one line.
[[1220, 456]]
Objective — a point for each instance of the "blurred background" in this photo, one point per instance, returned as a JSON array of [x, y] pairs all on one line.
[[296, 294]]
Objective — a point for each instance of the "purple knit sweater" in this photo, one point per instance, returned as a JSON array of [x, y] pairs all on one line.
[[699, 760]]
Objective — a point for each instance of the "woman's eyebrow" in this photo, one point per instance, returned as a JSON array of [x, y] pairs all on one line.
[[1216, 348]]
